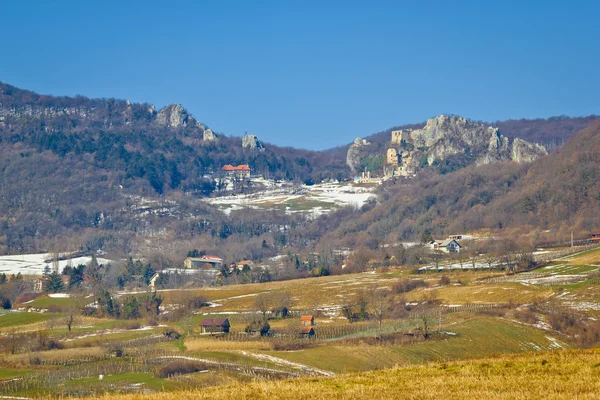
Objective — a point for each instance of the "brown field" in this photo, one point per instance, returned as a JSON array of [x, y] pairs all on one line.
[[543, 375]]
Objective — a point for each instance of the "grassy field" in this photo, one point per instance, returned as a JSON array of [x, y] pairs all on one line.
[[491, 293], [588, 257], [12, 319], [489, 325], [545, 375], [9, 373], [475, 337]]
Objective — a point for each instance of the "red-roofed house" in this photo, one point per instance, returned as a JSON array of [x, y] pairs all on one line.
[[307, 331], [240, 171], [595, 237], [307, 320]]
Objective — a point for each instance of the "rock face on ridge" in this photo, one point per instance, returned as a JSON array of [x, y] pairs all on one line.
[[455, 142], [356, 150], [252, 142]]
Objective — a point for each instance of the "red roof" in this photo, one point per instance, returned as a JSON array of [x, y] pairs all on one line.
[[212, 257], [306, 318], [231, 168]]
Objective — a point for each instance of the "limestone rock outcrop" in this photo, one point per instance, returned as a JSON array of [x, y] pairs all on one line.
[[354, 154], [459, 142], [252, 142], [173, 116], [208, 135]]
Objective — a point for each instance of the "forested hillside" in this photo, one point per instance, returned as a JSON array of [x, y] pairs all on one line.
[[89, 174], [545, 199]]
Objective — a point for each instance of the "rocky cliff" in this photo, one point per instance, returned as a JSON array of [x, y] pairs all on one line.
[[458, 142], [17, 105], [252, 142], [355, 152]]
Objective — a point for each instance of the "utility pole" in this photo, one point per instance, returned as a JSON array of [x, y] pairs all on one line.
[[571, 239]]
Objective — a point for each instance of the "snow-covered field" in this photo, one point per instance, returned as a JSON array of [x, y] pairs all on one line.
[[317, 199], [33, 264]]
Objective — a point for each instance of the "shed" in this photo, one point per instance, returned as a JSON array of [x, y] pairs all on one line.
[[307, 320], [215, 325], [307, 331]]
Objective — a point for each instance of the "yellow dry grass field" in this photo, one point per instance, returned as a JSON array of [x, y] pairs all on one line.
[[510, 292], [544, 375], [590, 257], [207, 344], [52, 355]]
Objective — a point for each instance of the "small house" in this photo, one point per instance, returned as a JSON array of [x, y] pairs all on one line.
[[215, 325], [595, 237], [450, 246], [152, 281], [202, 262], [307, 332], [307, 320], [38, 285], [243, 263], [446, 245]]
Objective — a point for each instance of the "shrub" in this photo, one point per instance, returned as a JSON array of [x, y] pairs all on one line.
[[526, 316], [5, 303], [444, 280], [132, 325], [180, 367], [197, 302], [171, 334], [406, 285]]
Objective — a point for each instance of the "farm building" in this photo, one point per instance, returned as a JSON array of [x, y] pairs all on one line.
[[595, 237], [215, 325], [307, 332], [203, 262], [307, 320]]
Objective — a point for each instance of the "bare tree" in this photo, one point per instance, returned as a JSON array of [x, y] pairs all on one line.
[[380, 304], [263, 304], [281, 303]]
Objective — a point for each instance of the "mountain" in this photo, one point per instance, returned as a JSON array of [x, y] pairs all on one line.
[[106, 174], [447, 143], [543, 200], [101, 173], [168, 149]]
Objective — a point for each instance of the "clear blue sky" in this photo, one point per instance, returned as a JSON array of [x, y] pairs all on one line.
[[312, 74]]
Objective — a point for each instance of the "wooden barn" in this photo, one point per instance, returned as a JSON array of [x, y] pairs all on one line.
[[215, 325], [307, 332]]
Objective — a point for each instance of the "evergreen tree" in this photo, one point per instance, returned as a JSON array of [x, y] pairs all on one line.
[[54, 283]]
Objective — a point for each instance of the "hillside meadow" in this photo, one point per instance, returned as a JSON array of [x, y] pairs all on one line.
[[545, 375]]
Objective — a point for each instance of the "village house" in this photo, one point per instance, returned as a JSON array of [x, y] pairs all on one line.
[[38, 285], [242, 263], [215, 325], [595, 237], [446, 245], [203, 262], [307, 320], [241, 171], [307, 323]]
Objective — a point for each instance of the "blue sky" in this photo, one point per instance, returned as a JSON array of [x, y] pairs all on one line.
[[312, 74]]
